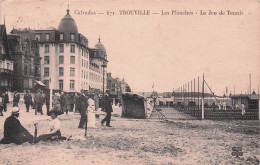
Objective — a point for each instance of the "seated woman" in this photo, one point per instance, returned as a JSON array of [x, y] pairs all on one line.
[[54, 129]]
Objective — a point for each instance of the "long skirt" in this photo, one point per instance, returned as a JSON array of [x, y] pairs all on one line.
[[92, 119]]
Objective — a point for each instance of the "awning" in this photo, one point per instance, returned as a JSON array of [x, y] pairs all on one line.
[[40, 83]]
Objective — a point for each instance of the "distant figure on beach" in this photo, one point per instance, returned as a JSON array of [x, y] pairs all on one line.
[[16, 99], [219, 106], [1, 106], [107, 107], [14, 132], [91, 112], [224, 105], [38, 101], [82, 107], [243, 109], [27, 100], [56, 102], [5, 100]]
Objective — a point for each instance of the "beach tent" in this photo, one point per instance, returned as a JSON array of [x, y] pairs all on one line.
[[133, 106]]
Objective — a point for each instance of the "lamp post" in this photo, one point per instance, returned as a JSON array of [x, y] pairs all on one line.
[[103, 66]]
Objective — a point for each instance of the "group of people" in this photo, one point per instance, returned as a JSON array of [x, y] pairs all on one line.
[[14, 132]]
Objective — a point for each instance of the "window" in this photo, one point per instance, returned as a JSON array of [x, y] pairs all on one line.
[[72, 71], [81, 73], [38, 37], [61, 71], [25, 69], [46, 71], [47, 37], [72, 59], [61, 59], [46, 60], [61, 36], [47, 48], [72, 37], [82, 62], [72, 84], [61, 48], [72, 48], [61, 84]]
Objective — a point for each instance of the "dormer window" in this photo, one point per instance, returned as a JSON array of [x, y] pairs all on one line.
[[72, 37], [61, 36], [47, 37], [38, 37]]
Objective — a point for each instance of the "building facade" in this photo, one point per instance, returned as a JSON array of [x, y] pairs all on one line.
[[25, 53], [6, 62], [68, 63]]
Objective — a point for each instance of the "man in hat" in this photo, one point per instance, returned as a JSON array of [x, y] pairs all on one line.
[[107, 107], [14, 132], [27, 100], [16, 99], [5, 100], [38, 101], [82, 107]]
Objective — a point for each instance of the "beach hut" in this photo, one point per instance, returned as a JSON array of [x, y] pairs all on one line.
[[133, 106]]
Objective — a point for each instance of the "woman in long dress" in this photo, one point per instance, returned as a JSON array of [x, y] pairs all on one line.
[[91, 112]]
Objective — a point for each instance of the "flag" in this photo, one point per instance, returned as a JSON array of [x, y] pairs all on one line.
[[226, 89]]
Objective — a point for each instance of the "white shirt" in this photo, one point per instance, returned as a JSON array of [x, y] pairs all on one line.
[[54, 125]]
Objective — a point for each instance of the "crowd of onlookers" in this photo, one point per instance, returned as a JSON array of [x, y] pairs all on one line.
[[61, 101]]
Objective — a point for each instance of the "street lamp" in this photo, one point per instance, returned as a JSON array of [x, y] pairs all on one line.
[[103, 66]]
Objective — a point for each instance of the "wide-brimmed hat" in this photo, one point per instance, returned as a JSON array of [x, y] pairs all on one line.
[[15, 110]]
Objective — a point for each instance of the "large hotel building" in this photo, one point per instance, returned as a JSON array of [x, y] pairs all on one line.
[[67, 61]]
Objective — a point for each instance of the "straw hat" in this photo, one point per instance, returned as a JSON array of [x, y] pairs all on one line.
[[15, 110]]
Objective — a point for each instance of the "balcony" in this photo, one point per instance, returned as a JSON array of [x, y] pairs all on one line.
[[6, 72]]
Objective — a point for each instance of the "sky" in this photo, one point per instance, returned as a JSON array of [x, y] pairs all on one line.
[[165, 50]]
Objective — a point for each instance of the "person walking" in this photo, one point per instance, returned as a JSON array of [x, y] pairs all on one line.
[[243, 109], [107, 107], [72, 101], [5, 100], [16, 99], [14, 132], [1, 106], [27, 100], [56, 102], [66, 103], [224, 105], [47, 101], [82, 107], [76, 102], [38, 100]]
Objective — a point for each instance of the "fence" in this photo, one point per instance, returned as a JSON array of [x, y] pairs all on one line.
[[197, 99]]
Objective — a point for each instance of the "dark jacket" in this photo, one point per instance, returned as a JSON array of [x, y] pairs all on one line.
[[16, 98], [6, 98], [38, 98], [14, 132], [66, 99], [27, 98], [82, 103], [107, 104]]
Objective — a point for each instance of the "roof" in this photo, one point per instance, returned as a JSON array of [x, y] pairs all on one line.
[[67, 24], [132, 95], [101, 49]]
